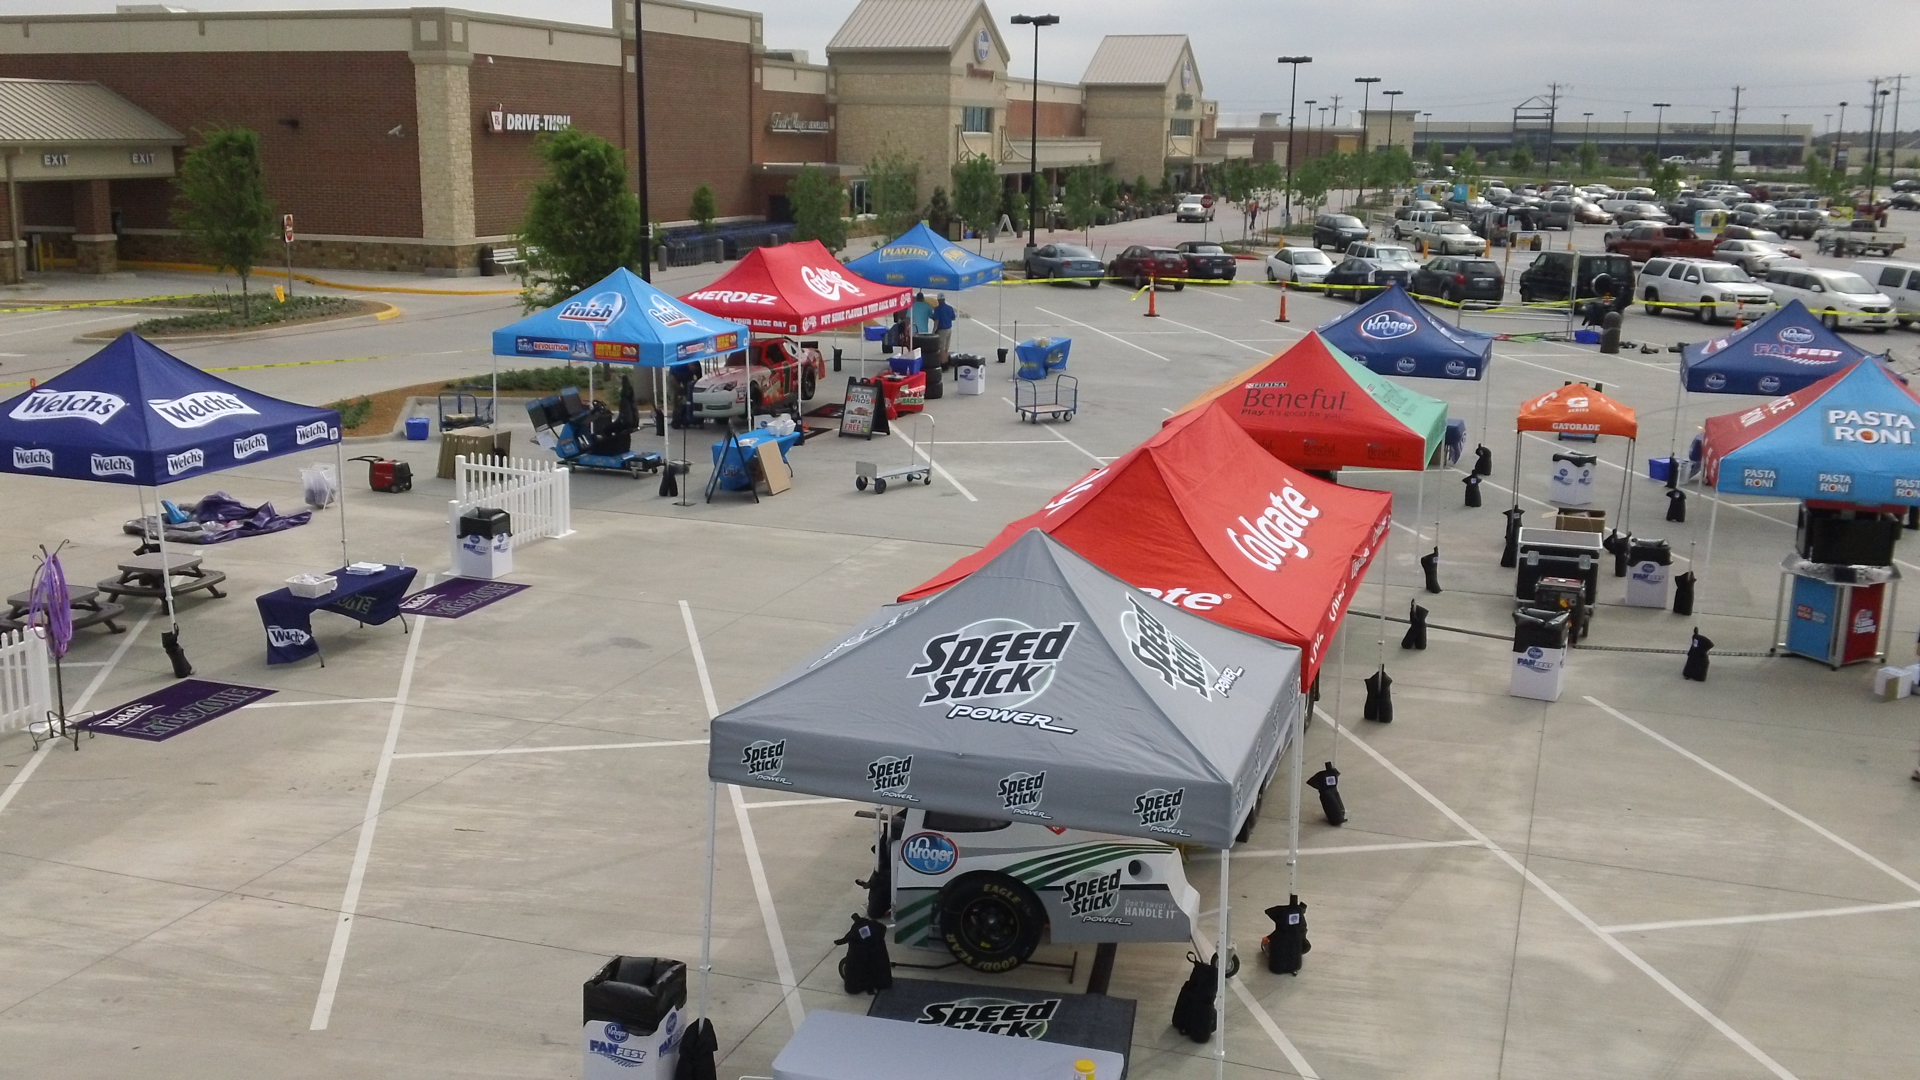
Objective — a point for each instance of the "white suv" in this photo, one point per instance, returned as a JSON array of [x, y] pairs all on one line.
[[1838, 298], [1899, 280], [1709, 289]]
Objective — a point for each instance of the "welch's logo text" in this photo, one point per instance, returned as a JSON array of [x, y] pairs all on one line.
[[1277, 532], [187, 462], [249, 446], [24, 458], [891, 776], [1159, 810], [764, 760], [1388, 325], [112, 465], [201, 409], [68, 405], [313, 432], [282, 637], [1021, 792]]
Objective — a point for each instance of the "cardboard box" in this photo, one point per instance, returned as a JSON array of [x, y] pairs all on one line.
[[1569, 520], [770, 472], [1893, 683]]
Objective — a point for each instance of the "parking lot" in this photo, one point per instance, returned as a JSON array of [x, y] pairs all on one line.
[[406, 862]]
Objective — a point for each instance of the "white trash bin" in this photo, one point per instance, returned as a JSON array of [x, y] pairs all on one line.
[[1571, 481], [970, 380], [633, 1019], [483, 547]]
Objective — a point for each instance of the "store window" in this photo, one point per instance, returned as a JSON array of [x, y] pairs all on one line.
[[976, 119], [857, 202], [1182, 127]]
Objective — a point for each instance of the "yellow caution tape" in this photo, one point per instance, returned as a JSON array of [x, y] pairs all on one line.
[[259, 367], [197, 268]]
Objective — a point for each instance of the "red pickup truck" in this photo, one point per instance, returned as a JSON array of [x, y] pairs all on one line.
[[1662, 242]]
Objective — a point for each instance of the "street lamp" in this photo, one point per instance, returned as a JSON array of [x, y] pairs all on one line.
[[1873, 142], [1659, 127], [1366, 117], [1033, 142], [1390, 95], [1839, 133], [1293, 85]]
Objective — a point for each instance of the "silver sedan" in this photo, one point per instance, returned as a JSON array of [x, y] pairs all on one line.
[[1753, 256]]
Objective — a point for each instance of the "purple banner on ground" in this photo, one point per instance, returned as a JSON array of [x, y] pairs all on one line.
[[165, 713], [455, 597]]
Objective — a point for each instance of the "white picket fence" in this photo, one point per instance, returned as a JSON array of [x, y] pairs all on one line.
[[26, 691], [537, 495]]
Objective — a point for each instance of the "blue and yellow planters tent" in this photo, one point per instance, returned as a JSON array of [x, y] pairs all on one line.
[[923, 259]]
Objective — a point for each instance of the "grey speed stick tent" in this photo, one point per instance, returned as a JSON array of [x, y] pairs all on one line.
[[1038, 688]]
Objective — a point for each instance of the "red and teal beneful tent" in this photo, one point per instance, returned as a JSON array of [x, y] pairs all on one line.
[[1315, 407]]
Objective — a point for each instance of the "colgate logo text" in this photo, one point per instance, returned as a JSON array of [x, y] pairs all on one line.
[[1278, 531]]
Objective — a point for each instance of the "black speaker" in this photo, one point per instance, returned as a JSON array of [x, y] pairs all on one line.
[[1846, 536]]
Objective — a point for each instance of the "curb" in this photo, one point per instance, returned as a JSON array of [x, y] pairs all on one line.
[[197, 268], [387, 312]]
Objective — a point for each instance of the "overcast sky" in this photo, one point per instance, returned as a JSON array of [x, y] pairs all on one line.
[[1461, 59]]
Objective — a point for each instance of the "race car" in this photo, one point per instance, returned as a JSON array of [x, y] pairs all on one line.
[[778, 364]]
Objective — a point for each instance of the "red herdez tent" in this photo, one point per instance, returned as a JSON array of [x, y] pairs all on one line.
[[1199, 516], [796, 289]]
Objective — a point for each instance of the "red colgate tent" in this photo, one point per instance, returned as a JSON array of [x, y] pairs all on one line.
[[796, 289], [1200, 517]]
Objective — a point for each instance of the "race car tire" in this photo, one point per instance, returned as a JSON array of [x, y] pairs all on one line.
[[806, 386], [990, 922], [1253, 816]]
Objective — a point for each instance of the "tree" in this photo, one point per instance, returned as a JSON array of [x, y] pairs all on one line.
[[1650, 164], [976, 193], [1823, 178], [819, 205], [1314, 178], [1109, 191], [892, 185], [1389, 167], [1013, 207], [583, 220], [1436, 158], [1141, 192], [1666, 181], [703, 209], [222, 203], [1725, 171], [1521, 160], [1589, 159], [939, 212], [1082, 198], [1465, 163]]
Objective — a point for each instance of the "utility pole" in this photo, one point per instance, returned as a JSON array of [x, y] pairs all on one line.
[[1366, 121], [1838, 134], [1553, 122], [1659, 126], [1893, 159], [1879, 104], [1733, 132]]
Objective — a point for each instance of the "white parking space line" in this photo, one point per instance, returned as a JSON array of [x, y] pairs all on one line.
[[776, 940], [369, 822], [1222, 337], [326, 701], [928, 458], [1843, 843], [79, 705], [1776, 916], [1116, 337], [1070, 442], [999, 442], [1291, 1052], [1581, 917], [1343, 849], [649, 745]]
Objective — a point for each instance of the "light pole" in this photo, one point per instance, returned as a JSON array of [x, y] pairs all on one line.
[[1033, 140], [1839, 133], [1586, 137], [1293, 85], [1366, 98], [1873, 154], [1783, 132], [1659, 127], [1391, 95]]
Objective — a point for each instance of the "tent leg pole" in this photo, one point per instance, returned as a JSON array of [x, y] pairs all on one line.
[[1713, 519], [1420, 511], [1385, 562], [1516, 468], [706, 917], [1221, 956], [1679, 398], [1338, 686], [1626, 490], [340, 474], [1293, 800]]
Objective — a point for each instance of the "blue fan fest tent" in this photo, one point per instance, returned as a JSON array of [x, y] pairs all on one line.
[[923, 259], [134, 414], [1778, 354], [1393, 335]]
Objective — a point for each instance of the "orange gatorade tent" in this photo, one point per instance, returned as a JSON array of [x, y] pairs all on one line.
[[1579, 410]]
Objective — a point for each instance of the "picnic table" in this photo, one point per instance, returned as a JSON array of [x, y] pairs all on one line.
[[88, 610], [146, 575]]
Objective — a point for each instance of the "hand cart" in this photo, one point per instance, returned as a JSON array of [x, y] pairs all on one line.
[[867, 472], [1034, 407]]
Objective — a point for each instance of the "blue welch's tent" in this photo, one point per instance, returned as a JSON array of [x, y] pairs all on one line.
[[1393, 335], [133, 414], [621, 319], [923, 259], [1779, 354], [1851, 437]]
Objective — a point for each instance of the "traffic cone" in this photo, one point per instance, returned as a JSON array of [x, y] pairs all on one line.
[[1153, 293], [1737, 312], [1283, 303]]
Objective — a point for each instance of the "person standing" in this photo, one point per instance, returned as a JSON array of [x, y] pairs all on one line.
[[943, 316], [922, 314]]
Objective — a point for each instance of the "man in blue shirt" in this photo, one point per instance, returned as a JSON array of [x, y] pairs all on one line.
[[922, 314], [943, 316]]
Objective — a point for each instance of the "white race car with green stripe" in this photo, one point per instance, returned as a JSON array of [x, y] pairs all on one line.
[[987, 890]]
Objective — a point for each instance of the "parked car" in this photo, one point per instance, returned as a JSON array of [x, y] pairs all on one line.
[[1683, 209], [1755, 257], [1467, 209], [1194, 208], [1861, 236], [1838, 298], [1416, 207], [1404, 226], [778, 365], [1714, 289], [1754, 232], [1357, 278], [1337, 231], [1557, 214], [1905, 200], [1448, 238], [1141, 264], [1303, 267], [1640, 194], [1795, 222], [1065, 262], [1588, 212], [1750, 213], [1455, 278], [1209, 261], [1399, 255], [1626, 227], [1652, 241], [1899, 280], [1551, 277]]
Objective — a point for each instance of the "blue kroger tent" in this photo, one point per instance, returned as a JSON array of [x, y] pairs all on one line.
[[1393, 335], [621, 319], [133, 414], [1779, 354], [1851, 437], [923, 259]]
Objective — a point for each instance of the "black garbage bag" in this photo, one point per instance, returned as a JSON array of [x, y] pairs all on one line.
[[1913, 517], [1510, 554], [1617, 544], [1379, 704], [1473, 489], [1288, 942], [1430, 566], [1327, 783], [1676, 505], [1683, 594], [1482, 461], [1416, 637], [1194, 1014], [1697, 659], [697, 1047], [669, 486], [867, 966]]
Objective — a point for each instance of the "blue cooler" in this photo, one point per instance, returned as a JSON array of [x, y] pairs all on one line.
[[416, 429], [1038, 361], [905, 365]]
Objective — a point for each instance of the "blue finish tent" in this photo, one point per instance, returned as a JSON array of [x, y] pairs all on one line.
[[621, 319], [1850, 437], [923, 259], [133, 414], [1779, 354], [1393, 335]]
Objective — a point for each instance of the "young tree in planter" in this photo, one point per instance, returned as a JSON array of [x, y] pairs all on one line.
[[703, 209], [1436, 158], [1589, 159], [222, 203], [891, 183], [939, 212], [819, 208], [583, 221], [976, 194], [1082, 199]]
